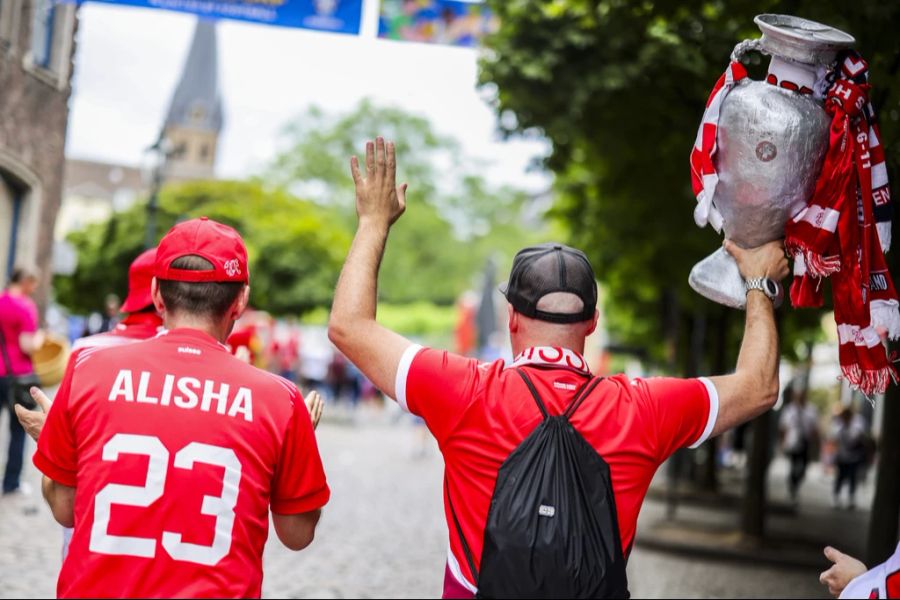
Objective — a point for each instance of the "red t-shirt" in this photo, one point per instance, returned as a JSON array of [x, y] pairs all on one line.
[[176, 450], [480, 412], [135, 327]]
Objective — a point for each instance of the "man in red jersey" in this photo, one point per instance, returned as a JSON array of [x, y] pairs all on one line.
[[167, 455], [480, 412]]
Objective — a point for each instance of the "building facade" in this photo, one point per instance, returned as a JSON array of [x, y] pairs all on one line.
[[36, 50]]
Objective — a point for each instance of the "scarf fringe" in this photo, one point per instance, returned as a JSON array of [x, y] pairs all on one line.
[[817, 265], [886, 315], [870, 381]]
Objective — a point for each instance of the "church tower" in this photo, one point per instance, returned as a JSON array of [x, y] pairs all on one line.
[[194, 120]]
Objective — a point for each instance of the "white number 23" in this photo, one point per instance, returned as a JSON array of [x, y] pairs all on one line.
[[221, 507]]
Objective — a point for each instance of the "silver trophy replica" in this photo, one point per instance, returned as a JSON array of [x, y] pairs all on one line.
[[766, 141]]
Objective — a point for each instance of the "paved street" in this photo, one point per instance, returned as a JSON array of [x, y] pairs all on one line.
[[382, 535]]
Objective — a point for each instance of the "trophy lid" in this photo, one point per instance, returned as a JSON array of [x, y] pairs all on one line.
[[801, 40]]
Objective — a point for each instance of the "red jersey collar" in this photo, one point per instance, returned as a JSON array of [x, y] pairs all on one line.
[[187, 334], [555, 357]]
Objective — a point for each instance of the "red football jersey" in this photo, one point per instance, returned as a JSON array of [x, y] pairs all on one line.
[[480, 412], [176, 450]]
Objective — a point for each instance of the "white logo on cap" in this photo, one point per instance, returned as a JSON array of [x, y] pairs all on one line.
[[232, 267]]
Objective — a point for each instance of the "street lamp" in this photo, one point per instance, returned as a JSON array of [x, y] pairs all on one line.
[[161, 152]]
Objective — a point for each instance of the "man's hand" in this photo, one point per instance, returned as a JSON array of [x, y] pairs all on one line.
[[314, 404], [768, 260], [844, 570], [377, 196], [33, 420]]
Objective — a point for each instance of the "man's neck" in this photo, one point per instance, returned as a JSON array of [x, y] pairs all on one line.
[[219, 331]]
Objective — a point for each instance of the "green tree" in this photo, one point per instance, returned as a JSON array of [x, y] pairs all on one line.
[[455, 220], [295, 248]]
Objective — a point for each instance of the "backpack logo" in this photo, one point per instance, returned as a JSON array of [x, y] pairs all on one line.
[[546, 511]]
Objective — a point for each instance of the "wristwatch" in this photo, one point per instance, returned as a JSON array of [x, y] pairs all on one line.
[[771, 288]]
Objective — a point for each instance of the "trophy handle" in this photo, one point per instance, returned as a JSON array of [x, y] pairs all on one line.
[[717, 277]]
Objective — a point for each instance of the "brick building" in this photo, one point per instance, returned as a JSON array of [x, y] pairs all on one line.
[[36, 50]]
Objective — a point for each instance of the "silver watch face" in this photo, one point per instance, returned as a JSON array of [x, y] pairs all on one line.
[[771, 288]]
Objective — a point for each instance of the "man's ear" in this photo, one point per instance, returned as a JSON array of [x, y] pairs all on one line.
[[240, 303], [156, 295], [513, 319], [594, 322]]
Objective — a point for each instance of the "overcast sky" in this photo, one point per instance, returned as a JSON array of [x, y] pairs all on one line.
[[129, 59]]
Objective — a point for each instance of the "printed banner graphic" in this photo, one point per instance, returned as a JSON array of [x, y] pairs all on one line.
[[337, 16], [435, 21]]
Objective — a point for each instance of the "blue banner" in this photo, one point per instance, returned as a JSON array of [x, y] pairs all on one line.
[[449, 22], [337, 16]]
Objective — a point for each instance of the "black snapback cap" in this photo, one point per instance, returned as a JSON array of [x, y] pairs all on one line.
[[548, 268]]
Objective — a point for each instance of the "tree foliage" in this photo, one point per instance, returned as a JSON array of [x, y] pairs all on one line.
[[295, 249], [619, 88], [454, 222]]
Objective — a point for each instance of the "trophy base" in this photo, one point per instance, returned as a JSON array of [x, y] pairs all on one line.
[[717, 277]]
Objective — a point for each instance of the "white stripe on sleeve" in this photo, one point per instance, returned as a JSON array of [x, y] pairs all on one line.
[[403, 373], [713, 411]]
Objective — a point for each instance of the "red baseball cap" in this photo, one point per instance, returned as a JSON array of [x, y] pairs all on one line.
[[219, 244], [140, 273]]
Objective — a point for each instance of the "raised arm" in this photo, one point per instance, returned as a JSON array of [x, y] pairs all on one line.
[[753, 388], [374, 349]]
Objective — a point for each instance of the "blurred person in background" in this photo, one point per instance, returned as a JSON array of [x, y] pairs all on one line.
[[19, 338], [103, 322], [799, 429], [848, 431]]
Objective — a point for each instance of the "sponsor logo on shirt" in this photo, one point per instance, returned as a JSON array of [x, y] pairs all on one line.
[[562, 385], [189, 350]]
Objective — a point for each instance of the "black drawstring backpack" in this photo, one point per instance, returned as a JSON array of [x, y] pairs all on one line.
[[552, 529]]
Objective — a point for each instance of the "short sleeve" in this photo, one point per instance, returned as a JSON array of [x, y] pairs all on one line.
[[437, 386], [57, 453], [299, 484], [682, 412], [29, 317]]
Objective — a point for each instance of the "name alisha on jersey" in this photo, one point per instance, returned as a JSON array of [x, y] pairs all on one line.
[[184, 392]]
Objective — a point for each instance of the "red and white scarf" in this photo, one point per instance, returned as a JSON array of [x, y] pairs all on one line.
[[838, 235], [845, 229], [704, 178], [552, 356]]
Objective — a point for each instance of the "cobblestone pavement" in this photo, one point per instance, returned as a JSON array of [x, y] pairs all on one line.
[[382, 535]]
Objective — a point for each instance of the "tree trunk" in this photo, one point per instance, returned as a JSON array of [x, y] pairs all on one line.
[[753, 516], [710, 480], [674, 466], [883, 524], [753, 513]]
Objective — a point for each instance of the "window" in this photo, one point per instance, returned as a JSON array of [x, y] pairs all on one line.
[[42, 32]]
